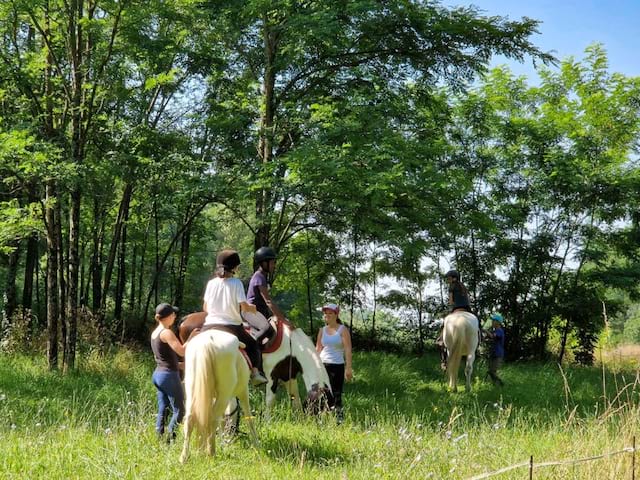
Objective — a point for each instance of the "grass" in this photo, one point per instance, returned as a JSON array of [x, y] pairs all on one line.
[[97, 423]]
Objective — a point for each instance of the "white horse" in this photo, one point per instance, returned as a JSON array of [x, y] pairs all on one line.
[[461, 337], [295, 354], [215, 372]]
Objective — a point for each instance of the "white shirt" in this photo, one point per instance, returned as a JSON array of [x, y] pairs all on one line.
[[222, 299], [332, 347]]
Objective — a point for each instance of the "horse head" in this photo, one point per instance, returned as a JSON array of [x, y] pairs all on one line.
[[317, 400]]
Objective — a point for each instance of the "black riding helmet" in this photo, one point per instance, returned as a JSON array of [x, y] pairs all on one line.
[[264, 254], [453, 274]]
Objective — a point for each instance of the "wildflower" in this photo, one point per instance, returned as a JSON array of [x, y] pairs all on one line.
[[38, 424], [13, 426], [448, 434], [496, 426], [107, 431], [3, 397]]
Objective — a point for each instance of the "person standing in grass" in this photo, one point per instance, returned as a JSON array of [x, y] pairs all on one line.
[[334, 346], [166, 377], [496, 353]]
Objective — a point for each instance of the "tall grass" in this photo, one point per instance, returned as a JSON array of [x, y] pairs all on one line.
[[400, 423]]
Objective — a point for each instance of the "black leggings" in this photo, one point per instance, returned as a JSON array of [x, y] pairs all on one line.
[[252, 349], [336, 378]]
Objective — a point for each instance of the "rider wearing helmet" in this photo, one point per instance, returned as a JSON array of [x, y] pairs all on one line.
[[258, 291], [458, 293]]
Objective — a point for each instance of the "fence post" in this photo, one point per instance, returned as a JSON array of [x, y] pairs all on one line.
[[531, 467]]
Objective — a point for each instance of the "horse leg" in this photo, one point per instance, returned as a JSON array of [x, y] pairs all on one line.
[[294, 394], [453, 365], [468, 370], [270, 398], [243, 398]]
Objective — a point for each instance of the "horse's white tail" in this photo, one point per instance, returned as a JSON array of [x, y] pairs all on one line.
[[200, 385]]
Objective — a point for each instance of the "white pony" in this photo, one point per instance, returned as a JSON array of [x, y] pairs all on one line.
[[461, 337], [295, 354], [215, 371]]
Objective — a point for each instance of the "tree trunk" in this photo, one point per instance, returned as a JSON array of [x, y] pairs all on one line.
[[265, 145], [185, 245], [9, 295], [29, 271], [72, 293], [96, 259], [122, 276], [52, 276], [115, 241]]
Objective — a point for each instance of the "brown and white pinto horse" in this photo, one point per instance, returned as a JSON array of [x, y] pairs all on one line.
[[287, 355]]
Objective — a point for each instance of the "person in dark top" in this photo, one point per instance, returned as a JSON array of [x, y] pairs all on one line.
[[458, 293], [166, 377], [496, 352], [258, 291]]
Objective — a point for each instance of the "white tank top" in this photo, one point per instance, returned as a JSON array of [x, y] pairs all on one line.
[[332, 347]]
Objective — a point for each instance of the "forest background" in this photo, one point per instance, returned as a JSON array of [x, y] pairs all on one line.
[[366, 141]]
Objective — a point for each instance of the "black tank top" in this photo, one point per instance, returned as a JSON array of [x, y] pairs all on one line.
[[166, 358]]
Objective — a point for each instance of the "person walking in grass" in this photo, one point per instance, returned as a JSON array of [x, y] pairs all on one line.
[[496, 351], [334, 346], [166, 377]]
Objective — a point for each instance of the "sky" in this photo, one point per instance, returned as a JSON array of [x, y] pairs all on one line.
[[569, 26]]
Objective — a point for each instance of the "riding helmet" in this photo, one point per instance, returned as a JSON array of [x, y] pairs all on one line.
[[227, 260], [453, 274], [264, 254], [497, 317]]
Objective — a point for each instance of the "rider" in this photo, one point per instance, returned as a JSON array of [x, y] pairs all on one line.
[[224, 299], [258, 291], [458, 293]]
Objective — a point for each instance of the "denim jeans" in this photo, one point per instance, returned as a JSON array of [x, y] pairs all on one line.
[[170, 393]]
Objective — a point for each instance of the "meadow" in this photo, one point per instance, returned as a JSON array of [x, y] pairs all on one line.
[[401, 422]]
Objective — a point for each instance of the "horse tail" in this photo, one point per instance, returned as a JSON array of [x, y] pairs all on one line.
[[453, 337], [200, 381]]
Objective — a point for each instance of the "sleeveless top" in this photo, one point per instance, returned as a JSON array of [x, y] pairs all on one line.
[[332, 347], [166, 358]]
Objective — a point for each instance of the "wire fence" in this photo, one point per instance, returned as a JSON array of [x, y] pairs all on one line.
[[532, 465]]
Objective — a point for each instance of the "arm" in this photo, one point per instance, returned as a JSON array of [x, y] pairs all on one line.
[[346, 341], [319, 341], [167, 336], [270, 303]]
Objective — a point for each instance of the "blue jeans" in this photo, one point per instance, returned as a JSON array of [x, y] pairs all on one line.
[[170, 393]]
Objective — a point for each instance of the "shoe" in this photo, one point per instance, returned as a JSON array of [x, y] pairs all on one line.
[[258, 379]]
